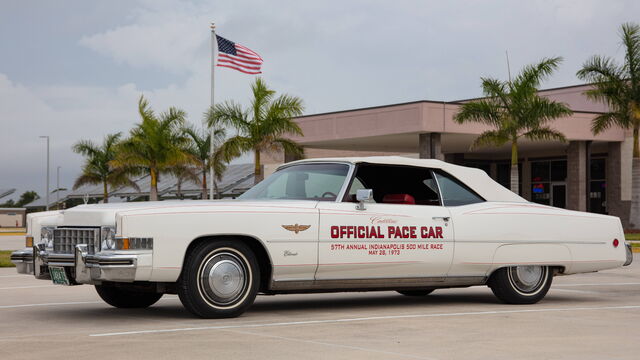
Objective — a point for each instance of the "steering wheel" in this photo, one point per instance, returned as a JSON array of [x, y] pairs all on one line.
[[329, 193]]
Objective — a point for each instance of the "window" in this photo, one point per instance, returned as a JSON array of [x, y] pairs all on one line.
[[388, 180], [355, 186], [598, 186], [455, 193], [547, 180], [321, 182]]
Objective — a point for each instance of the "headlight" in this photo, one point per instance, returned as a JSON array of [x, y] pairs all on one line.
[[108, 238], [46, 236]]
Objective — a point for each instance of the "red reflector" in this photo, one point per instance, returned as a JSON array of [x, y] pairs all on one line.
[[616, 242]]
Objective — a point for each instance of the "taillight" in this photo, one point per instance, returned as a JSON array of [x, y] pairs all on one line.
[[616, 242]]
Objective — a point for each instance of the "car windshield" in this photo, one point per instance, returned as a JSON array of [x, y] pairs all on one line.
[[320, 182]]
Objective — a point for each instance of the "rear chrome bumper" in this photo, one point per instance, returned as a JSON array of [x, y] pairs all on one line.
[[81, 267], [629, 255]]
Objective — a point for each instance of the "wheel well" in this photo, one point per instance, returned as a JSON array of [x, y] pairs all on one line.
[[264, 261], [556, 269]]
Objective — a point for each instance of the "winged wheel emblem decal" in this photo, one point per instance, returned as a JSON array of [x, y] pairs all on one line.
[[296, 228]]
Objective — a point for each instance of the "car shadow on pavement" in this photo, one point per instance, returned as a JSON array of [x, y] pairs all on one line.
[[310, 304]]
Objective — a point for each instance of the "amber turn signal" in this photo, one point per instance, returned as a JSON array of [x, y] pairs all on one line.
[[28, 241]]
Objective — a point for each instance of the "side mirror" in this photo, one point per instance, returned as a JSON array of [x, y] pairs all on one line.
[[362, 196]]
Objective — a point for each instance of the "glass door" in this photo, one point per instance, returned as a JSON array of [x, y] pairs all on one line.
[[559, 195]]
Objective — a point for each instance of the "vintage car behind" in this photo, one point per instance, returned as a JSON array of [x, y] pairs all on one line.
[[379, 223]]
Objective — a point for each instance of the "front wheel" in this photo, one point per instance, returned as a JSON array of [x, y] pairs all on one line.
[[521, 284], [220, 279], [127, 298]]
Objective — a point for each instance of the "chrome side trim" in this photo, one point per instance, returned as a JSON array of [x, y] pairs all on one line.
[[377, 283]]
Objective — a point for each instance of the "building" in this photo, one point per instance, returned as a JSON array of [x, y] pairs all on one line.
[[237, 179], [588, 173], [13, 217]]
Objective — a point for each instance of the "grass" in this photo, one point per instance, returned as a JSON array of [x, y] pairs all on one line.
[[632, 236], [5, 260]]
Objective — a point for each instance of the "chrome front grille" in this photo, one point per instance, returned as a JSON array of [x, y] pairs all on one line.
[[66, 239]]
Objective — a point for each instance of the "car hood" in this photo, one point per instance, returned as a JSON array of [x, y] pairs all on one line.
[[105, 214]]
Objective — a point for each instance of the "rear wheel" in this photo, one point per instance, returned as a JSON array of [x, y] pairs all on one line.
[[422, 292], [126, 298], [220, 279], [521, 284]]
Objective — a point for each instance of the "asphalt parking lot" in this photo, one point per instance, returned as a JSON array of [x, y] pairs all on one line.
[[590, 316]]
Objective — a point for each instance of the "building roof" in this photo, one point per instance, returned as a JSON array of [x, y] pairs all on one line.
[[237, 179], [53, 199], [6, 192], [575, 101]]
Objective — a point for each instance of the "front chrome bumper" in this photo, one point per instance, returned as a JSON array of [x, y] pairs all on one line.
[[81, 267]]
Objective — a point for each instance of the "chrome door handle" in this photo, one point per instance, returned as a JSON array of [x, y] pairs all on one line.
[[445, 218]]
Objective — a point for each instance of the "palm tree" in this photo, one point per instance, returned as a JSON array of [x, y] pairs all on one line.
[[619, 87], [182, 173], [515, 110], [155, 146], [97, 169], [199, 148], [260, 127]]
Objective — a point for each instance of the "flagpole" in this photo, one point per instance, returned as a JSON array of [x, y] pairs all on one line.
[[214, 45]]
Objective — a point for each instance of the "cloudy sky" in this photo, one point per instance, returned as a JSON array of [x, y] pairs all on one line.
[[74, 69]]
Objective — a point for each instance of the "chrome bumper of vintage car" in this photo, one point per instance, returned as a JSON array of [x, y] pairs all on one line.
[[81, 267], [629, 255]]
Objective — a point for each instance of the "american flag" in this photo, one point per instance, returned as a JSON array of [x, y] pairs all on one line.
[[238, 57]]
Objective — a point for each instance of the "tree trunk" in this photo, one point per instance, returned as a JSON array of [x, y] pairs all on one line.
[[105, 193], [514, 168], [216, 191], [153, 192], [634, 213], [204, 184], [179, 190], [257, 171]]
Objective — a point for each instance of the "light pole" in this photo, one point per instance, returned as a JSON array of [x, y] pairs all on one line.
[[47, 197], [58, 188]]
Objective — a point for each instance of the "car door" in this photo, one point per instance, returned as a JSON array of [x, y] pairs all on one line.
[[396, 237]]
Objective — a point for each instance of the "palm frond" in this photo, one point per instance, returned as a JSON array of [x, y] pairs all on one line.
[[236, 146], [495, 90], [533, 75], [86, 148], [228, 113], [262, 96], [482, 111], [544, 133], [630, 34], [86, 179], [490, 138], [288, 146]]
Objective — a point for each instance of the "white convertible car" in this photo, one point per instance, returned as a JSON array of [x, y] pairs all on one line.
[[347, 224]]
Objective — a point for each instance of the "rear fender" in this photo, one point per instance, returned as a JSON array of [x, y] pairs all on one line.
[[532, 254]]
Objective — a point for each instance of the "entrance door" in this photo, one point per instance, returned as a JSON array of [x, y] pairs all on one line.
[[559, 195]]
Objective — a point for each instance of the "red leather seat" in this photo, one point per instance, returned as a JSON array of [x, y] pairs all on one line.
[[399, 199]]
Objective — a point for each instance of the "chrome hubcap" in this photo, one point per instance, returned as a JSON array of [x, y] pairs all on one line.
[[527, 278], [223, 278]]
